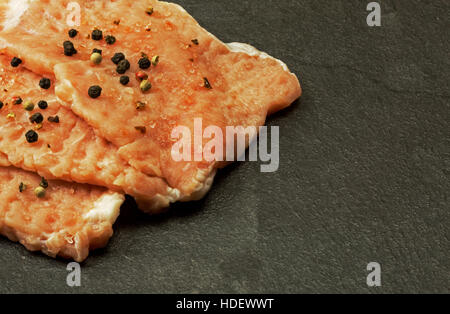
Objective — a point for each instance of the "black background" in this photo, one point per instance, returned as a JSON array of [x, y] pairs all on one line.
[[364, 170]]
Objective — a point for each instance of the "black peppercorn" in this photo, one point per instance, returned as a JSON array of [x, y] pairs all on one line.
[[124, 80], [36, 118], [123, 66], [95, 91], [1, 104], [69, 49], [110, 40], [43, 104], [45, 83], [31, 136], [118, 57], [73, 33], [15, 62], [144, 63], [97, 34], [97, 51]]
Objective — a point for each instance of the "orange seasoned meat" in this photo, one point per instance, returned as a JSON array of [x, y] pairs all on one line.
[[193, 76], [68, 221]]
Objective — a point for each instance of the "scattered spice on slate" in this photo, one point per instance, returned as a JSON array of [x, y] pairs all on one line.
[[15, 62], [207, 84], [195, 42], [22, 187], [54, 119], [36, 118], [140, 76], [97, 34], [39, 192], [43, 104], [45, 83], [95, 91], [31, 136], [73, 33], [69, 49], [44, 183], [118, 57], [17, 100], [141, 129], [124, 80], [144, 63], [28, 105], [155, 60], [145, 86], [110, 40], [123, 66]]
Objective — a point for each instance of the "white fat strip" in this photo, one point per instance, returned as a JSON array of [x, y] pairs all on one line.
[[252, 51], [16, 8], [107, 208]]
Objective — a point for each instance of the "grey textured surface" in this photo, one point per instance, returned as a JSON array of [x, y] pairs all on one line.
[[364, 173]]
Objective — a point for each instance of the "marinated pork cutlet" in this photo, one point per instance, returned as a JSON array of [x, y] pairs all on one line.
[[66, 147], [68, 221], [197, 76]]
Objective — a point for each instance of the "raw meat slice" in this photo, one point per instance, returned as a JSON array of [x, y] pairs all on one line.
[[69, 228], [246, 85], [67, 150]]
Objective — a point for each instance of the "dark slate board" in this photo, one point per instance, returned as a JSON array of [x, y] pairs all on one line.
[[364, 174]]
